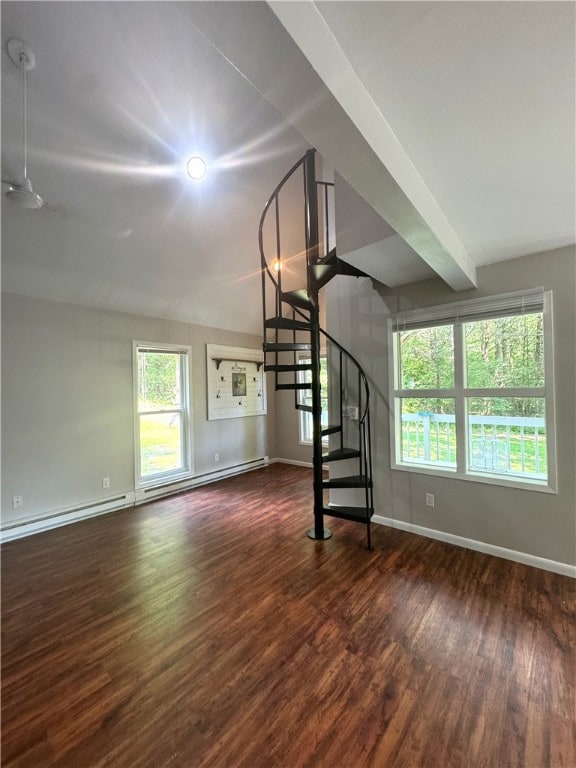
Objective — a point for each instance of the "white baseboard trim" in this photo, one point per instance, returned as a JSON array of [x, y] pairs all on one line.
[[480, 546], [21, 528], [144, 495], [294, 462]]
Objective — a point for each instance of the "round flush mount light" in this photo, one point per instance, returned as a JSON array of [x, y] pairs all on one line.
[[196, 168]]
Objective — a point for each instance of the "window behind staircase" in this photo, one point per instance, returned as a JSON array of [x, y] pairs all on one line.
[[305, 398]]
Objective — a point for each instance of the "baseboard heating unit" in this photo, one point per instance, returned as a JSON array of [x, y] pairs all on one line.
[[155, 492], [20, 528]]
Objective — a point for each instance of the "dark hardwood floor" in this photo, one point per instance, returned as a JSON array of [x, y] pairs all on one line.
[[207, 630]]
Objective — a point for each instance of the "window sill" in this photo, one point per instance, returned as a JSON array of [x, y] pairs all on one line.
[[540, 486], [155, 481]]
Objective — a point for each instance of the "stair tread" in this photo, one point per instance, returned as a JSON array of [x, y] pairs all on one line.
[[330, 257], [351, 481], [294, 385], [331, 429], [355, 514], [323, 273], [298, 298], [286, 346], [307, 408], [287, 324], [341, 453], [288, 368], [344, 268]]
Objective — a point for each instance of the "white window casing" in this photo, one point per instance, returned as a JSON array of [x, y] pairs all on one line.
[[456, 315], [181, 411], [305, 429]]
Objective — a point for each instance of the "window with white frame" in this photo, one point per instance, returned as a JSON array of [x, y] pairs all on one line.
[[472, 387], [162, 412], [305, 398]]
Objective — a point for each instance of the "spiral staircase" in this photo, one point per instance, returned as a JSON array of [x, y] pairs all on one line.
[[303, 357]]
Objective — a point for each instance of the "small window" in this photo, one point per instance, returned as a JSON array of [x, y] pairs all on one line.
[[162, 427], [472, 390], [305, 398]]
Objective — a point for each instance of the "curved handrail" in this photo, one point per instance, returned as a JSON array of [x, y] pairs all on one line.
[[265, 268], [347, 365], [332, 340], [269, 202]]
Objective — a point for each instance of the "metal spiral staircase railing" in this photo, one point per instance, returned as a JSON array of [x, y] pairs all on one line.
[[295, 346]]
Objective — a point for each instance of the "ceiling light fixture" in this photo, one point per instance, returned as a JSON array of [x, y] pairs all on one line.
[[21, 192], [277, 265], [196, 168]]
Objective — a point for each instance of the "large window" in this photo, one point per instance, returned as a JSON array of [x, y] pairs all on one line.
[[162, 423], [472, 390]]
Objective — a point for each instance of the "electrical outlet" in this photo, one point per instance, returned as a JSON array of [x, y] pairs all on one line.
[[216, 457], [351, 412], [17, 502], [105, 482], [429, 499]]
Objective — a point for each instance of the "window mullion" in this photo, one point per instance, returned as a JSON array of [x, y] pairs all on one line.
[[505, 392], [431, 393], [459, 400], [502, 391]]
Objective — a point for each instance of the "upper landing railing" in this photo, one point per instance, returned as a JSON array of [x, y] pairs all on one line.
[[316, 246]]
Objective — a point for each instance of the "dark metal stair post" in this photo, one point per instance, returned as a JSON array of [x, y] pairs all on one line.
[[303, 306], [312, 255]]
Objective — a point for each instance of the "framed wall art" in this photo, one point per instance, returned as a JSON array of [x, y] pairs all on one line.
[[236, 384]]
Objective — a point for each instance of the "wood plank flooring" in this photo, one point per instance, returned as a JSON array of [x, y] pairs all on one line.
[[206, 630]]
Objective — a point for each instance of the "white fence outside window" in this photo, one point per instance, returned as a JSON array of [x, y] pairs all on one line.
[[508, 445]]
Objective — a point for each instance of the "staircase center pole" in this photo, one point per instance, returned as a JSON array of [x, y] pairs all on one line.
[[312, 255]]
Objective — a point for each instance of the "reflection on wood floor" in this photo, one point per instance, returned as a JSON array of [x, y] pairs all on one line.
[[207, 630]]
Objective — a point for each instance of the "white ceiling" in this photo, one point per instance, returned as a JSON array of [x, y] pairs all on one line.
[[481, 96], [475, 99], [122, 94]]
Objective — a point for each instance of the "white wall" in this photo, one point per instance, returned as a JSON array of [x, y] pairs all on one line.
[[67, 418], [529, 522], [288, 445]]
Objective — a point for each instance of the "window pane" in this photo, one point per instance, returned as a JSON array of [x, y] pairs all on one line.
[[505, 352], [305, 398], [306, 427], [507, 436], [159, 381], [428, 435], [160, 443], [427, 358]]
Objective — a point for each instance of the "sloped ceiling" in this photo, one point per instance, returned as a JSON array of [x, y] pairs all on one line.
[[470, 106], [476, 99], [122, 95]]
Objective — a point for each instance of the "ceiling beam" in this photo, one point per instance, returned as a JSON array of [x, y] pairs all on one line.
[[432, 237], [251, 37]]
